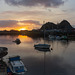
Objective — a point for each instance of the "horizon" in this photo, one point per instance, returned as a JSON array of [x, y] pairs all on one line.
[[24, 28], [28, 15]]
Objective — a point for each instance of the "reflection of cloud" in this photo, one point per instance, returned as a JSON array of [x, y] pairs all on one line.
[[45, 3], [52, 66], [7, 40]]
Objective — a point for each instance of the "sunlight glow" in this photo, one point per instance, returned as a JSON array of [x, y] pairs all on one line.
[[23, 29], [25, 39]]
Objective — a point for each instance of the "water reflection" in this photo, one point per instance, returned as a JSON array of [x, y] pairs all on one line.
[[59, 61], [43, 50], [53, 66], [25, 39]]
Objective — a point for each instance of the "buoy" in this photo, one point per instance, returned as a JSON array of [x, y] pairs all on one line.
[[51, 48]]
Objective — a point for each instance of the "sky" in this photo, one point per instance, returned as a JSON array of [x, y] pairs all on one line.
[[30, 14]]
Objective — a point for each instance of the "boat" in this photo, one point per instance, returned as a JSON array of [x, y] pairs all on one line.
[[42, 46], [51, 37], [17, 41], [64, 37], [16, 65], [9, 71], [3, 51], [58, 38]]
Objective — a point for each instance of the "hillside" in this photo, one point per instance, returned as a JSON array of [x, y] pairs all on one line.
[[62, 25]]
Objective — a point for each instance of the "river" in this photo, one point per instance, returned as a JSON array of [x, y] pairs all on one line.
[[59, 61]]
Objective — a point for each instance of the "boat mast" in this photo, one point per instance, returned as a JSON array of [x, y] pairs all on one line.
[[44, 31]]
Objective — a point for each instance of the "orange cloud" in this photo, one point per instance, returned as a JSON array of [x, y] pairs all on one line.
[[17, 25]]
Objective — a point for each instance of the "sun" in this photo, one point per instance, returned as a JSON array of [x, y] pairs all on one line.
[[23, 29]]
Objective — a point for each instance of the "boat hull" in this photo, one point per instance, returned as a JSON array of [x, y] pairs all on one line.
[[42, 46], [3, 51]]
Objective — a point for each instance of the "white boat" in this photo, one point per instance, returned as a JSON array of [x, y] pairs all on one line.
[[51, 37], [16, 65], [43, 46]]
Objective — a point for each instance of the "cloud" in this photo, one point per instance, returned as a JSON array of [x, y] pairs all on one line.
[[23, 13], [14, 23], [45, 3], [64, 10], [8, 23], [31, 22]]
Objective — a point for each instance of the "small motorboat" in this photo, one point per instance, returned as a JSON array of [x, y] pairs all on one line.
[[42, 46], [17, 41], [3, 49], [16, 65]]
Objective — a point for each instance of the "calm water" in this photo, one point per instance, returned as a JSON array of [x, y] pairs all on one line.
[[59, 61]]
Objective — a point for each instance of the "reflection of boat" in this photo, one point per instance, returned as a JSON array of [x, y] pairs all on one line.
[[64, 38], [42, 46], [3, 51], [58, 38], [43, 50], [17, 41], [16, 65], [51, 37]]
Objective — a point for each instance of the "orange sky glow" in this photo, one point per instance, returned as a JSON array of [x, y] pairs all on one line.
[[30, 15], [21, 26]]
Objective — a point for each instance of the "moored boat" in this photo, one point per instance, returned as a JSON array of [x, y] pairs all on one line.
[[43, 46], [17, 41], [51, 37], [16, 65]]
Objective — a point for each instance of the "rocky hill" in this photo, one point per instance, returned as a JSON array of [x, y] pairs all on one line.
[[62, 25], [48, 26]]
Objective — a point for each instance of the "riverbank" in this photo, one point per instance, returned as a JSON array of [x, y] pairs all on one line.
[[37, 34]]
